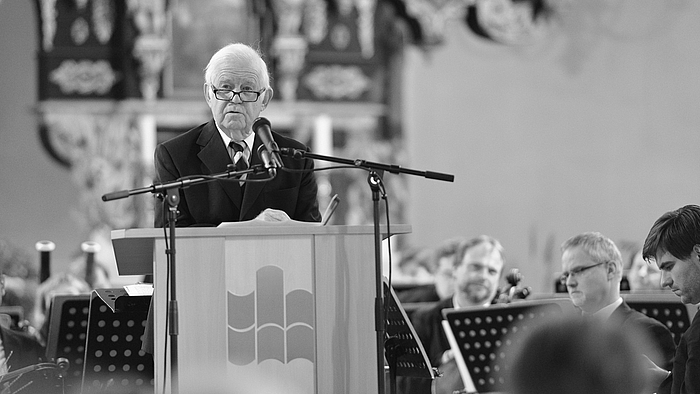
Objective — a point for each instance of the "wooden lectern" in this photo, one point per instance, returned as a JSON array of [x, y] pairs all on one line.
[[264, 308]]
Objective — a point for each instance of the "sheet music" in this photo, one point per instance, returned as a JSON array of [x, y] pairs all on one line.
[[139, 289], [261, 222], [330, 209], [332, 205]]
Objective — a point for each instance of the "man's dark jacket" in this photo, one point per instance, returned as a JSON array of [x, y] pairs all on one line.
[[201, 151]]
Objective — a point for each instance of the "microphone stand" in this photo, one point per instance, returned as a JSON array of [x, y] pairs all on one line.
[[375, 183], [171, 191]]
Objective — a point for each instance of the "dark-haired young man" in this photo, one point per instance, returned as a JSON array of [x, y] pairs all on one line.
[[674, 244]]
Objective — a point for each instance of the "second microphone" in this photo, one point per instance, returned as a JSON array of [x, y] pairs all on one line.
[[261, 127]]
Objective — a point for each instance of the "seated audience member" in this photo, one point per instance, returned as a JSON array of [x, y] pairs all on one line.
[[21, 276], [477, 269], [445, 260], [577, 355], [17, 349], [439, 264], [643, 275], [673, 243], [415, 266], [592, 270]]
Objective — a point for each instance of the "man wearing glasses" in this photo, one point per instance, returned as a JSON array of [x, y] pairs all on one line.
[[237, 89], [592, 271]]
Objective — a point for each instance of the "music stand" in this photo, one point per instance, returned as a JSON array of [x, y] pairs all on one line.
[[665, 307], [114, 361], [481, 336], [68, 316], [403, 350]]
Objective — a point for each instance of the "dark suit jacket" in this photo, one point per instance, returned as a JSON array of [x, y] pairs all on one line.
[[25, 350], [201, 151], [686, 365], [657, 332]]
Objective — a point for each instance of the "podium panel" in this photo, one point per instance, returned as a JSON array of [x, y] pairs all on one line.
[[265, 308]]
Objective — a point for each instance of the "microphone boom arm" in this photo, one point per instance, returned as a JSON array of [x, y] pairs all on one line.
[[392, 168], [182, 183]]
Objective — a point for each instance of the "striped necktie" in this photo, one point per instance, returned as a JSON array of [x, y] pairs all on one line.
[[239, 157]]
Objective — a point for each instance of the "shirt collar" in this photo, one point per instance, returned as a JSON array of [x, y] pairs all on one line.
[[456, 305], [249, 140]]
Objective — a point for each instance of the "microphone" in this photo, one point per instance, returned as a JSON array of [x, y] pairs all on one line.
[[267, 161], [261, 127]]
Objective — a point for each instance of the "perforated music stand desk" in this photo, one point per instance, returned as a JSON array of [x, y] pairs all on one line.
[[403, 349], [114, 361], [665, 307], [68, 316], [481, 336]]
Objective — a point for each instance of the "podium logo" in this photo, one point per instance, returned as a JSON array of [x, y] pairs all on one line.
[[268, 324]]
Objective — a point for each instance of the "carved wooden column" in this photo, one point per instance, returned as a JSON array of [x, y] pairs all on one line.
[[289, 46]]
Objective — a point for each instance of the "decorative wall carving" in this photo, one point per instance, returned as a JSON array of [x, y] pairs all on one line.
[[47, 14], [80, 30], [290, 51], [152, 45], [102, 19], [434, 14], [315, 21], [84, 77], [337, 82], [152, 51], [511, 22], [104, 152]]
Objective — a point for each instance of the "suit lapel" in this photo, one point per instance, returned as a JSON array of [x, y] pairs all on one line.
[[214, 156]]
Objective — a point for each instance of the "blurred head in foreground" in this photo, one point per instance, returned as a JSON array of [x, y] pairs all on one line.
[[575, 355]]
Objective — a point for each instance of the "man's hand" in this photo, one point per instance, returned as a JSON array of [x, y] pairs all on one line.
[[656, 373], [447, 356]]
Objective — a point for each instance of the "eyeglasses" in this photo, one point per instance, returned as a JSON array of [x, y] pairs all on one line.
[[575, 271], [246, 96]]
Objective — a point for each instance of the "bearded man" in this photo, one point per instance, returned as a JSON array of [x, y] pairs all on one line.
[[477, 269]]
